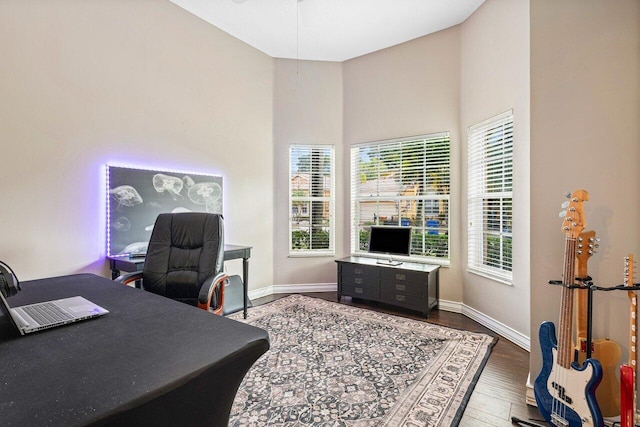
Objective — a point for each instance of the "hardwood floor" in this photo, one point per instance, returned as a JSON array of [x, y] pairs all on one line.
[[500, 391]]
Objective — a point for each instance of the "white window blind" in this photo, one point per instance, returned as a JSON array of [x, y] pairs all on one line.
[[403, 182], [490, 197], [311, 199]]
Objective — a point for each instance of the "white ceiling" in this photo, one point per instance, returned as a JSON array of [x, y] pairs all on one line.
[[329, 30]]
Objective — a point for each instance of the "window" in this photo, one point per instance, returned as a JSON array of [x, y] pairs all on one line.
[[311, 199], [403, 182], [490, 197]]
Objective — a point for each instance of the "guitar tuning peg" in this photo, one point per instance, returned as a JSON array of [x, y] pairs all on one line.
[[564, 205], [562, 214], [567, 195]]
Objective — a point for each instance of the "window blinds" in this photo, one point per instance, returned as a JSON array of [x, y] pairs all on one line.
[[403, 182], [490, 197], [311, 199]]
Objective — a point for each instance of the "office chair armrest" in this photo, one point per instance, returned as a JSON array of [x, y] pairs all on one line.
[[129, 277], [207, 290]]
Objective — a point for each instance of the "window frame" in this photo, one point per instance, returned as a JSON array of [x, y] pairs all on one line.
[[485, 151], [330, 199], [440, 200]]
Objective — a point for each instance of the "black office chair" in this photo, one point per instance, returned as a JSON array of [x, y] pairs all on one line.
[[184, 260]]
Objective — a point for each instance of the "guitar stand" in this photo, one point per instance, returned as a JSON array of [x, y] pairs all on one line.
[[588, 285], [516, 420]]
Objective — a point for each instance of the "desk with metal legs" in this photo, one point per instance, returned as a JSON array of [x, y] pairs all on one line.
[[124, 263]]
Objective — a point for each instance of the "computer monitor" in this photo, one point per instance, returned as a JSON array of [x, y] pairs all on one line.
[[390, 240]]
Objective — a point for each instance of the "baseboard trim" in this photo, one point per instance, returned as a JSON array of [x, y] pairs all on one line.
[[311, 287], [530, 397], [456, 307], [262, 292], [451, 306], [292, 289], [509, 333]]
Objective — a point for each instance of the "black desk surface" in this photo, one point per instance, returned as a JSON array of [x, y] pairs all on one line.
[[150, 361]]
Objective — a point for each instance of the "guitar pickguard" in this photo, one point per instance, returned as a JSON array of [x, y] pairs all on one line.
[[566, 397]]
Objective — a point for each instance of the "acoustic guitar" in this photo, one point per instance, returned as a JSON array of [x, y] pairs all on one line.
[[607, 352], [564, 390], [628, 371]]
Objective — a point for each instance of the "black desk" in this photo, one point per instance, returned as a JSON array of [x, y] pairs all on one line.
[[124, 263], [150, 361]]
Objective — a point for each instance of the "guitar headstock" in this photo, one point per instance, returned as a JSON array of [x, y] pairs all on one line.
[[587, 244], [628, 270], [574, 221]]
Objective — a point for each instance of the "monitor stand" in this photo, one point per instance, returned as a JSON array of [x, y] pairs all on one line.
[[388, 262]]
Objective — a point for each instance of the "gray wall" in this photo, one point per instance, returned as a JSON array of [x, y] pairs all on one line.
[[409, 89], [145, 83], [307, 110], [494, 79], [585, 134]]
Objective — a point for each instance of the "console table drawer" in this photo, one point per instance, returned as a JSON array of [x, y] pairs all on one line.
[[414, 289], [368, 292], [400, 299], [356, 275], [393, 275]]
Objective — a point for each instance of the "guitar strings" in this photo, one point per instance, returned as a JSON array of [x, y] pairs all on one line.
[[563, 361], [555, 405]]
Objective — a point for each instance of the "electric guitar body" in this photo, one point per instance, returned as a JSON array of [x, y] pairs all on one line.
[[566, 397], [564, 390], [628, 370], [608, 353], [627, 403]]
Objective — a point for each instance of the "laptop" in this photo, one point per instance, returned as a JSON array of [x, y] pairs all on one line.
[[50, 314]]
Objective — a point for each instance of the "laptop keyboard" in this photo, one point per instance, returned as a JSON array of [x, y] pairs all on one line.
[[47, 313]]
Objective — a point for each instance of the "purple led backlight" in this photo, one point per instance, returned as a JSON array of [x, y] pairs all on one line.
[[136, 195]]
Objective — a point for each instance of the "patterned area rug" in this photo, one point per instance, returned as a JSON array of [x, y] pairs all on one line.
[[335, 365]]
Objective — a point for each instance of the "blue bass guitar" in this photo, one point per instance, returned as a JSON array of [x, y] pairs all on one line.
[[565, 391]]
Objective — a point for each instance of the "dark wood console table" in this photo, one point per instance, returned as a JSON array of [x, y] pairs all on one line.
[[409, 285], [125, 263]]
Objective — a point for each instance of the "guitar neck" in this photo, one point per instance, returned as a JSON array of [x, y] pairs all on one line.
[[586, 248], [628, 372], [566, 306], [633, 312]]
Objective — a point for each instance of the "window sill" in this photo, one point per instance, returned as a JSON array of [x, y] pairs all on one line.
[[494, 277], [312, 255]]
